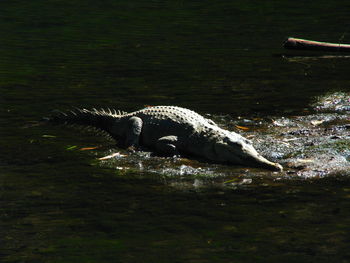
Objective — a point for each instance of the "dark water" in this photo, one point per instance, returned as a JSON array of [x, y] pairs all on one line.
[[59, 204]]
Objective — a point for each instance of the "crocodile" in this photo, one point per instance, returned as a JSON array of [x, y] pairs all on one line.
[[170, 131]]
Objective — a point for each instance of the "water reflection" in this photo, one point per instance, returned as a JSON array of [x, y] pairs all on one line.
[[309, 57]]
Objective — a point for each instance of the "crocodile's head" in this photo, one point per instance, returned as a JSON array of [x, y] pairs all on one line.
[[238, 150]]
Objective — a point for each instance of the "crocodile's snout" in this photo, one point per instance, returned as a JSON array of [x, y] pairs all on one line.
[[271, 166], [238, 152], [253, 158]]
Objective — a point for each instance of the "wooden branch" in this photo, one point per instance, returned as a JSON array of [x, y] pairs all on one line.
[[303, 44]]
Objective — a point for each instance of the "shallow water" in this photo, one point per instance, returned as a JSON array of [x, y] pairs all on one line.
[[59, 203]]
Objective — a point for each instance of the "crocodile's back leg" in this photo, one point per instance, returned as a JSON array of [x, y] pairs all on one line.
[[167, 145], [133, 131]]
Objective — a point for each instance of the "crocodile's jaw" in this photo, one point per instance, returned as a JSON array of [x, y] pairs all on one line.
[[255, 159], [242, 153]]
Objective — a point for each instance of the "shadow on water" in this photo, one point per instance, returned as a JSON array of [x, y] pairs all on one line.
[[59, 203]]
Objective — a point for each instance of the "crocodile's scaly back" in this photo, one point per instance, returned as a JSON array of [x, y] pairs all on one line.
[[171, 113]]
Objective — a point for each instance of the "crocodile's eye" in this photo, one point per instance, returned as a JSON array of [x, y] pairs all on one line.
[[248, 141]]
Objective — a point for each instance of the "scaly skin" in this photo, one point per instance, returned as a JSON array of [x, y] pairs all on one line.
[[171, 130]]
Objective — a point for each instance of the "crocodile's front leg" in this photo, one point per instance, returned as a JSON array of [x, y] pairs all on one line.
[[132, 132]]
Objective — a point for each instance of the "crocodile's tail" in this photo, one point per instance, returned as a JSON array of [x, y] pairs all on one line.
[[97, 119]]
